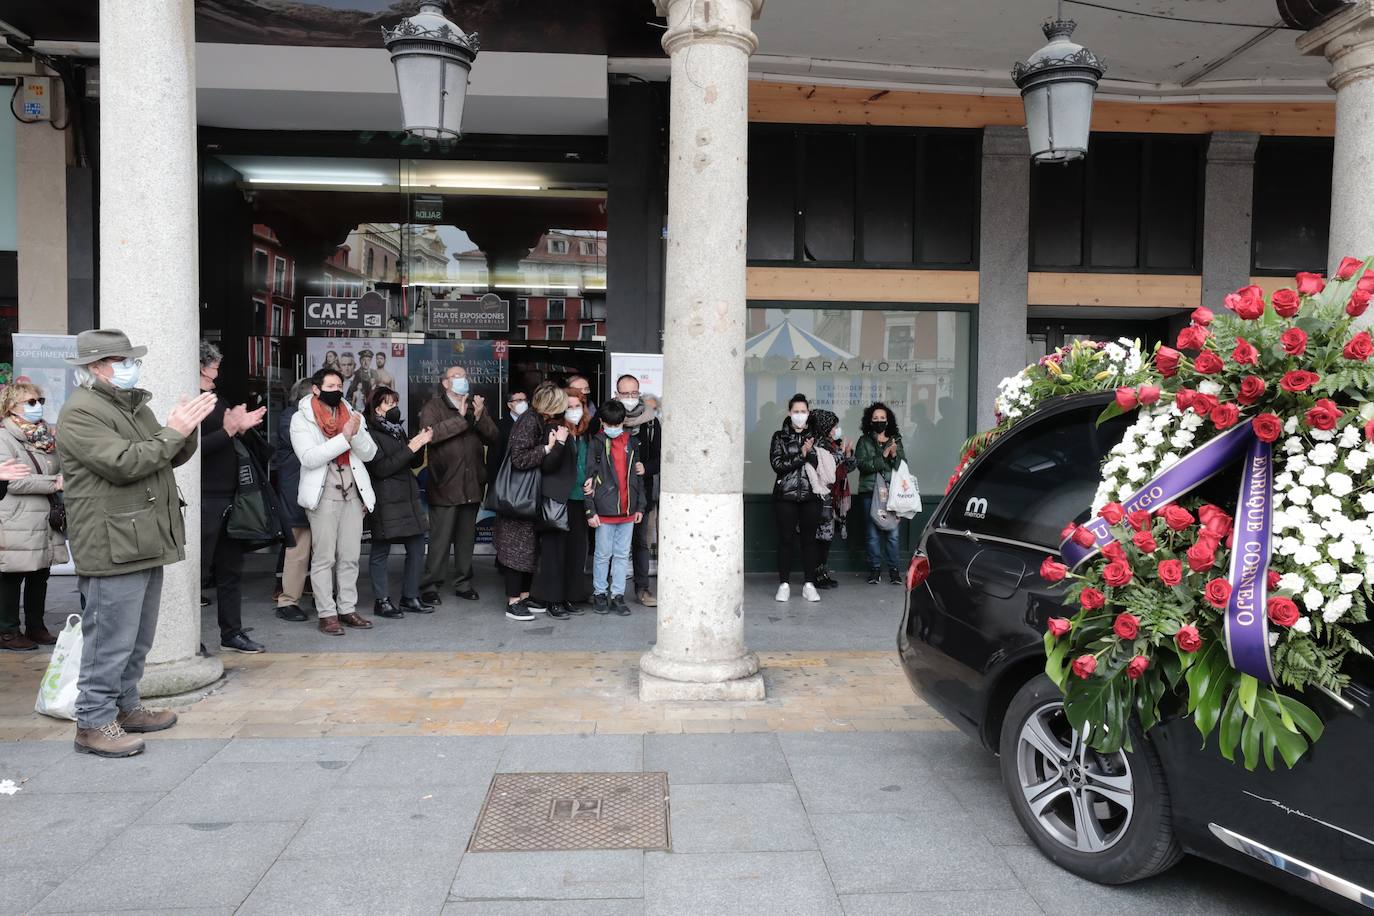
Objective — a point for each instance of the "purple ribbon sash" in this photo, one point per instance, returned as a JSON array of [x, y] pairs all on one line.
[[1247, 636]]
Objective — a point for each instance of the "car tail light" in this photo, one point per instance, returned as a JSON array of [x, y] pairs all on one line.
[[917, 572]]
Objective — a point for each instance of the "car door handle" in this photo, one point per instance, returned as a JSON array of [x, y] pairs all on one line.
[[969, 536]]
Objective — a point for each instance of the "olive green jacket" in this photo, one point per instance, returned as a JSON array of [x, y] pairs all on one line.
[[123, 507]]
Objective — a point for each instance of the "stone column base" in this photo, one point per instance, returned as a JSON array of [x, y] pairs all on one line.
[[661, 690], [183, 675]]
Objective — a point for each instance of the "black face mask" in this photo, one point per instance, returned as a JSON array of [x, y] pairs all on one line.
[[880, 426], [331, 398], [394, 415]]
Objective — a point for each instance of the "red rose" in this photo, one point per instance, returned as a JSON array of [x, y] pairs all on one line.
[[1058, 626], [1202, 315], [1201, 555], [1091, 599], [1247, 302], [1310, 284], [1068, 532], [1298, 380], [1187, 638], [1360, 347], [1125, 398], [1252, 388], [1283, 612], [1139, 519], [1117, 573], [1166, 361], [1325, 415], [1348, 268], [1208, 363], [1052, 571], [1184, 398], [1244, 354], [1149, 394], [1177, 517], [1171, 572], [1145, 542], [1359, 302], [1294, 341], [1366, 281], [1192, 337], [1224, 416], [1113, 513], [1204, 404], [1286, 302], [1137, 667], [1084, 538], [1214, 521], [1127, 626], [1114, 552], [1217, 593], [1267, 427], [1084, 666], [1273, 577]]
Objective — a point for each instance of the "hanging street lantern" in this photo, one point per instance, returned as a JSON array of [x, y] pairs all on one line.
[[433, 58], [1057, 85]]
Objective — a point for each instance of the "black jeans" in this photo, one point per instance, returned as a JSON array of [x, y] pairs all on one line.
[[640, 552], [35, 591], [380, 552], [792, 516], [561, 574], [221, 557], [517, 582]]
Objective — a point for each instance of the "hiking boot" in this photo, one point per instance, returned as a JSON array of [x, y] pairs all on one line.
[[330, 626], [519, 611], [600, 604], [619, 606], [356, 621], [109, 740], [383, 607], [143, 719], [238, 641], [17, 642], [416, 606], [646, 598], [875, 576], [292, 612], [430, 598], [41, 636]]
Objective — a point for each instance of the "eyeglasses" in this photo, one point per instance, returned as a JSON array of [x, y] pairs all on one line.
[[117, 360], [34, 402]]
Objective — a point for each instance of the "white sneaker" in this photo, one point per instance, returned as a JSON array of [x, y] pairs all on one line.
[[784, 592], [809, 592]]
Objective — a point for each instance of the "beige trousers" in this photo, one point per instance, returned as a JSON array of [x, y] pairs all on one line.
[[336, 527], [295, 567]]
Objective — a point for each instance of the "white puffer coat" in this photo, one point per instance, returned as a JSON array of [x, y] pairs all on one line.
[[27, 542]]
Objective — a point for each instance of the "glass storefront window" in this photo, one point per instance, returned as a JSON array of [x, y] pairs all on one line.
[[916, 361]]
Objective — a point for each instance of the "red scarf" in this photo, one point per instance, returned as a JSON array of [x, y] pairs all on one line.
[[331, 420]]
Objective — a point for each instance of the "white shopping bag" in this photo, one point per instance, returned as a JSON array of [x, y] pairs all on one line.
[[57, 693], [903, 493]]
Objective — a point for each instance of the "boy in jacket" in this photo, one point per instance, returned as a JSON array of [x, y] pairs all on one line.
[[615, 505]]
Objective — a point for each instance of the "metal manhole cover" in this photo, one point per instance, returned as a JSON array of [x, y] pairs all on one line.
[[526, 812]]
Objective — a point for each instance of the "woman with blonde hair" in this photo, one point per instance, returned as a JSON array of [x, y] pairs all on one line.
[[537, 441], [29, 544]]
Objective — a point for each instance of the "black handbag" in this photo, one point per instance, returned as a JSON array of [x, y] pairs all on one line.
[[553, 514], [515, 493], [57, 509]]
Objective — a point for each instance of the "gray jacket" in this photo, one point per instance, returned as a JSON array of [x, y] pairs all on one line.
[[27, 542]]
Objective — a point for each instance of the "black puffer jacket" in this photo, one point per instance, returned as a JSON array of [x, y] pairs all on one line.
[[398, 513], [785, 454]]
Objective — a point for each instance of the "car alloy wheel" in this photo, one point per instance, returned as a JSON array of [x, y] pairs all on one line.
[[1080, 798]]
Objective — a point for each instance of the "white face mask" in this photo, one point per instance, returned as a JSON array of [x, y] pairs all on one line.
[[33, 413], [835, 434], [458, 385], [799, 419], [630, 402], [125, 375], [574, 414], [519, 408]]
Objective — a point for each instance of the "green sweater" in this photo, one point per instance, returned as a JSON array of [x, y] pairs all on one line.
[[869, 456]]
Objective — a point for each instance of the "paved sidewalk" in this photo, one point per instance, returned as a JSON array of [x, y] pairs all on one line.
[[788, 824]]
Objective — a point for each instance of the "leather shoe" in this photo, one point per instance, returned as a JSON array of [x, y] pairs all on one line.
[[356, 621], [42, 637], [292, 612], [559, 611], [17, 642], [467, 594], [416, 606], [142, 719], [431, 598], [330, 625], [646, 598], [383, 607], [238, 641]]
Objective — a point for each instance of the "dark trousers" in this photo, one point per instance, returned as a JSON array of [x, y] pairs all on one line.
[[517, 582], [823, 552], [792, 517], [561, 574], [640, 552], [380, 552], [450, 527], [221, 558], [35, 592]]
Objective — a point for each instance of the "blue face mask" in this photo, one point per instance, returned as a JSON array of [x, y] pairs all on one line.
[[125, 375], [33, 413], [458, 385], [612, 432]]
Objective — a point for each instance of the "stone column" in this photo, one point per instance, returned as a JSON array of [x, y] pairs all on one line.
[[149, 284], [700, 653], [1228, 214], [1003, 260], [1347, 40]]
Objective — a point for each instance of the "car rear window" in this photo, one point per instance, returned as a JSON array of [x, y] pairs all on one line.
[[1037, 479]]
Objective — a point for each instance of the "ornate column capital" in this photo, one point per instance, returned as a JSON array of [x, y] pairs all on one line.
[[724, 22], [1347, 40]]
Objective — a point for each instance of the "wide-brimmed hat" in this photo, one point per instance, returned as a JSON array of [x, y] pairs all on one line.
[[102, 343]]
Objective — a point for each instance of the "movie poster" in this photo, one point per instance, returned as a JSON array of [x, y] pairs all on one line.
[[41, 359], [365, 363]]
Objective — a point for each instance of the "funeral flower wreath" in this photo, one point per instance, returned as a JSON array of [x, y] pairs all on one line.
[[1235, 609]]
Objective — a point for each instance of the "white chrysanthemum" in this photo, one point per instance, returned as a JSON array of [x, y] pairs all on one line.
[[1311, 533], [1283, 481], [1191, 422], [1288, 546], [1339, 484], [1367, 502], [1323, 453], [1313, 599], [1280, 519], [1306, 555], [1336, 608], [1311, 476], [1350, 582], [1300, 516], [1295, 447], [1324, 573], [1303, 625], [1292, 582], [1356, 462], [1207, 386], [1342, 550], [1147, 456], [1290, 426], [1182, 439], [1324, 504], [1324, 435], [1154, 437], [1350, 437], [1299, 495], [1273, 638], [1169, 459], [1136, 474]]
